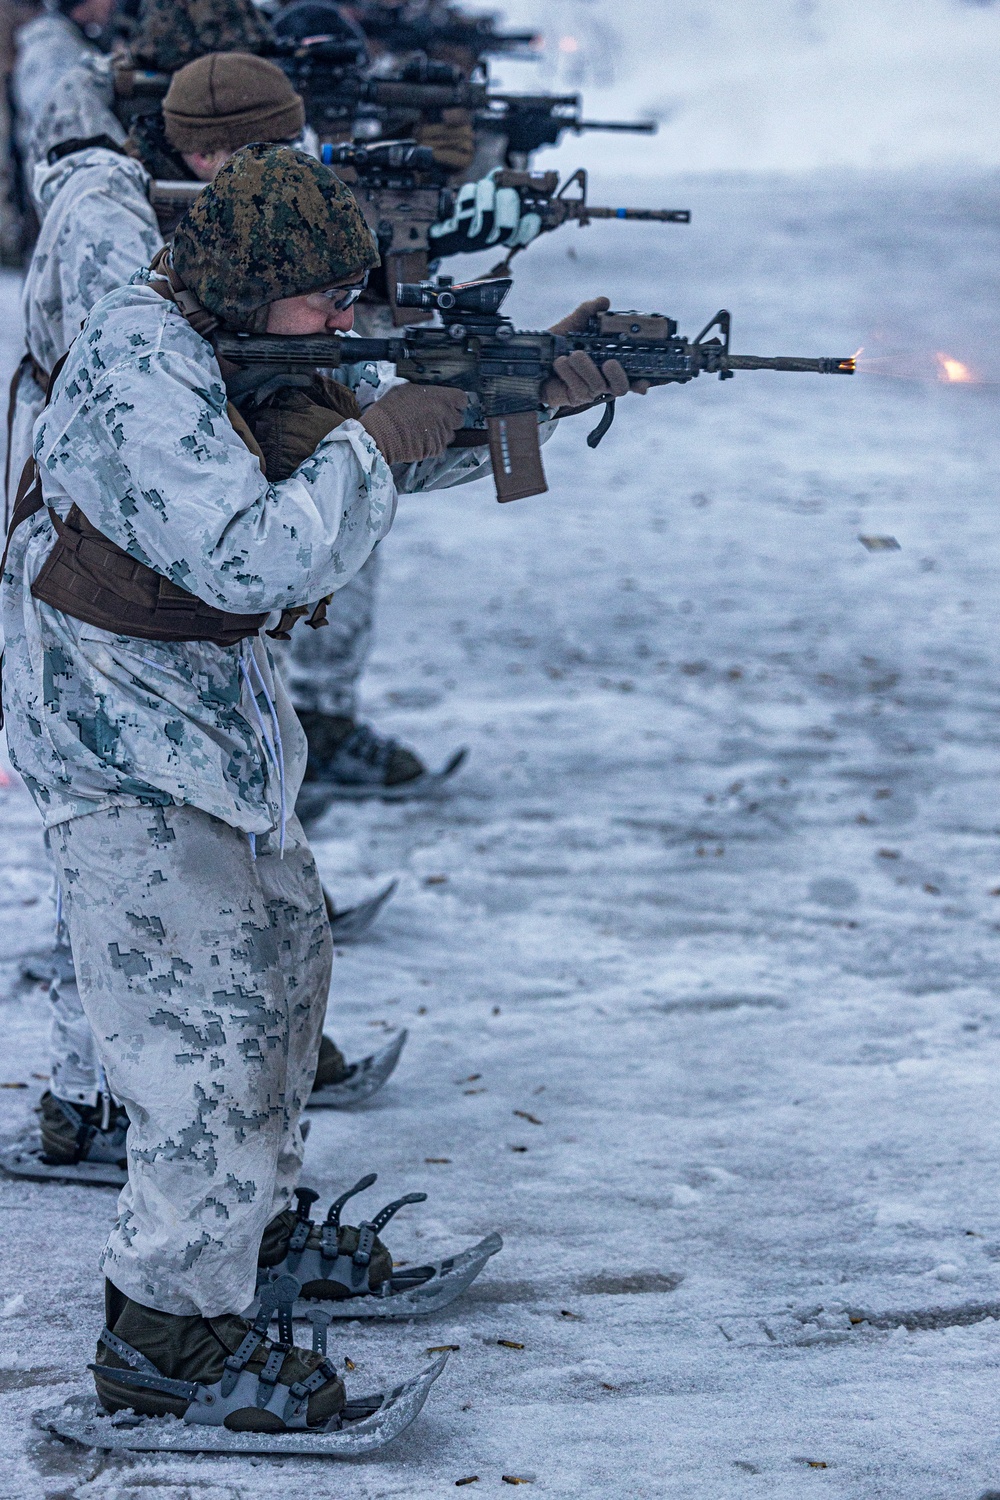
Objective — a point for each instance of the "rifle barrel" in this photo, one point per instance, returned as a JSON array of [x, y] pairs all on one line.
[[638, 215], [634, 127], [167, 191], [405, 95], [803, 366]]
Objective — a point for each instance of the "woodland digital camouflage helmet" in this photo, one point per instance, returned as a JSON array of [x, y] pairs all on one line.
[[174, 32], [275, 223]]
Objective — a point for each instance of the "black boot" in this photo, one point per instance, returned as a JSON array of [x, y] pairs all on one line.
[[351, 755]]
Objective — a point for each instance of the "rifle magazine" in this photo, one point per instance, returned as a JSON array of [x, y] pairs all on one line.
[[517, 455]]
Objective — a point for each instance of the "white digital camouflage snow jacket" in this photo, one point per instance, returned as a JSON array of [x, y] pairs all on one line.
[[97, 229], [80, 108], [138, 437], [47, 48]]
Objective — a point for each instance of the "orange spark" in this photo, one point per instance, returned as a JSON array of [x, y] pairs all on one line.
[[953, 370], [568, 44]]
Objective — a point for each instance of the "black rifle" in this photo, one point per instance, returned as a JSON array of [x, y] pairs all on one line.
[[474, 34], [530, 121], [403, 192], [505, 370], [336, 94]]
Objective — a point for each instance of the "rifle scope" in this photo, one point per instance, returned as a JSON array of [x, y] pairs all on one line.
[[483, 297]]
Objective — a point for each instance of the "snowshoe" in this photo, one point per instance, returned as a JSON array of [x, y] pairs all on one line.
[[359, 1080], [76, 1143], [242, 1405], [346, 1272], [350, 923], [350, 761]]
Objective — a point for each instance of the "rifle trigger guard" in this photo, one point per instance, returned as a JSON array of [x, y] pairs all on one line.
[[593, 438]]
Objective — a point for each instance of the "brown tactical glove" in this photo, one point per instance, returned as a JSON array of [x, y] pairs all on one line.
[[452, 139], [290, 425], [576, 381], [412, 422]]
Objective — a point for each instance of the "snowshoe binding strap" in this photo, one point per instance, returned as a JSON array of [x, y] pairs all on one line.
[[267, 1380], [371, 1227], [330, 1233], [333, 1213], [140, 1373], [301, 1390], [320, 1321], [132, 1357], [277, 1296], [383, 1216], [304, 1200]]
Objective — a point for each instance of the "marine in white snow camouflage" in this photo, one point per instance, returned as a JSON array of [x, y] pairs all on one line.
[[137, 435], [99, 720], [214, 947]]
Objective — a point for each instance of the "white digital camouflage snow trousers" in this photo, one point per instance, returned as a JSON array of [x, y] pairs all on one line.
[[204, 975], [321, 667], [74, 1067]]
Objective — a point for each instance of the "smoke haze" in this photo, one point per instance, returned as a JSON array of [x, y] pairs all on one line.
[[775, 84]]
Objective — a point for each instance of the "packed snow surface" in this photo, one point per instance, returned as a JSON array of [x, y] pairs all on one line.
[[699, 953]]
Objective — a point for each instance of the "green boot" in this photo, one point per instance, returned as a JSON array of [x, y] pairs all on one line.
[[332, 1067], [276, 1243], [209, 1351]]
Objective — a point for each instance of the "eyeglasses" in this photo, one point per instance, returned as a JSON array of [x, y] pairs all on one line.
[[337, 298]]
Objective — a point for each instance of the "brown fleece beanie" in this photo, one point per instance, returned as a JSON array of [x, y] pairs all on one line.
[[227, 100]]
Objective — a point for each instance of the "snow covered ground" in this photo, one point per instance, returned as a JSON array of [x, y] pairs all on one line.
[[699, 956]]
